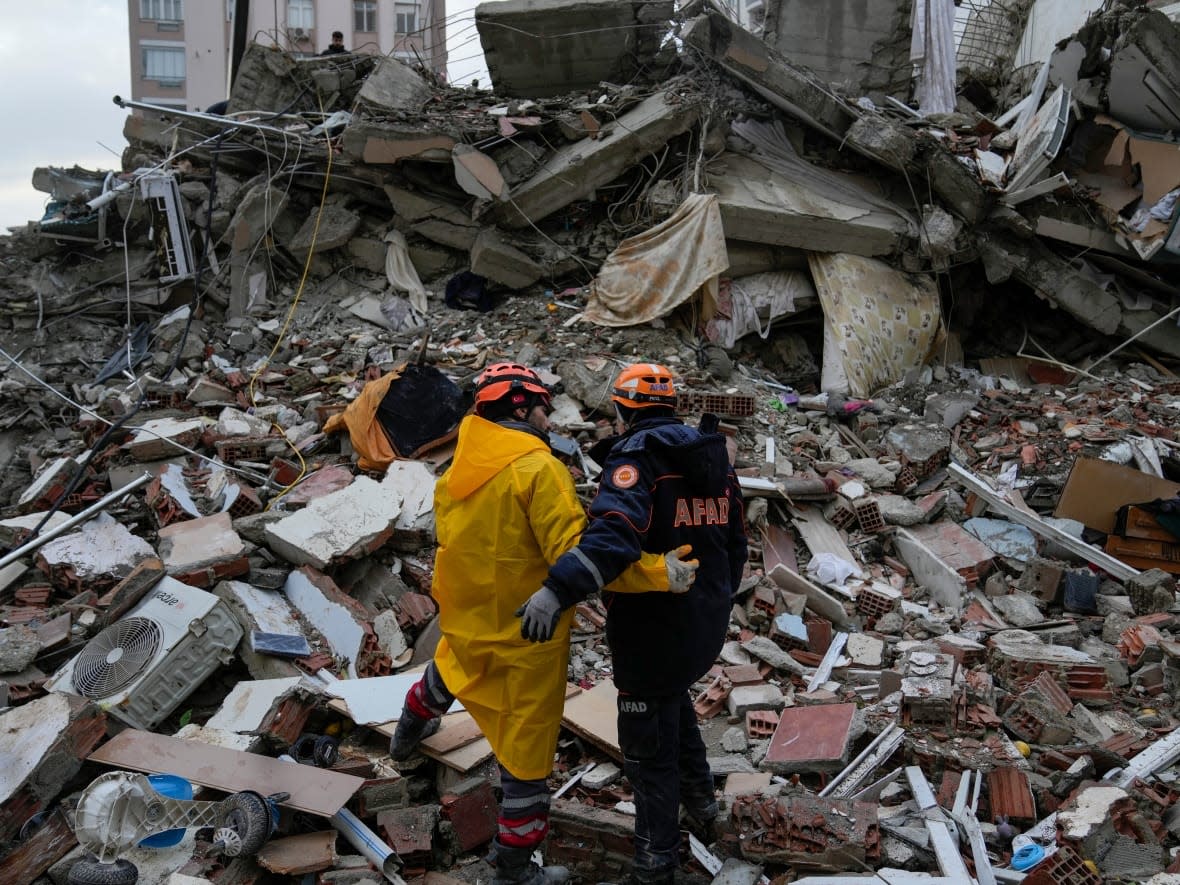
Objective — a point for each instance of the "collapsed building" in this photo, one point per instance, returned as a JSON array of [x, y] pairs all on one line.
[[938, 321]]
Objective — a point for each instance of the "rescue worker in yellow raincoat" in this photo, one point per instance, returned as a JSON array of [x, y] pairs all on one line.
[[504, 512]]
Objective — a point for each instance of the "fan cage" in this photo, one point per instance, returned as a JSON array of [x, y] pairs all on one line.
[[116, 657]]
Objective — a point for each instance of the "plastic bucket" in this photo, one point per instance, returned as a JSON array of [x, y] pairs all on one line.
[[173, 786]]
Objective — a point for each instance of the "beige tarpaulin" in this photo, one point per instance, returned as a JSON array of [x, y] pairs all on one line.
[[878, 322], [650, 274]]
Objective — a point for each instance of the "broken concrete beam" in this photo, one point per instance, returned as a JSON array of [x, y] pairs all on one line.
[[759, 205], [454, 236], [539, 48], [572, 172], [201, 552], [43, 744], [494, 258], [415, 206], [1060, 283], [790, 88], [389, 143], [899, 148], [343, 525]]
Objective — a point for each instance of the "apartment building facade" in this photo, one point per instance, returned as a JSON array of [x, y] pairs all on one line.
[[180, 48]]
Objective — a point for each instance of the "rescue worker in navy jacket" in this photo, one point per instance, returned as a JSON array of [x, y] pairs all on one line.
[[664, 485]]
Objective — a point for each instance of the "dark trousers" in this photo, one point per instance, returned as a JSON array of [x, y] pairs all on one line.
[[664, 759]]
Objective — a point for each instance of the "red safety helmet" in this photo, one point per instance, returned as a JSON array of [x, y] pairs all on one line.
[[501, 380], [644, 386]]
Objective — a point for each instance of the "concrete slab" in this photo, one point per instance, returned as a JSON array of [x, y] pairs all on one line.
[[574, 171], [337, 624], [538, 48], [337, 527], [153, 440], [393, 85], [792, 89], [811, 739], [762, 206], [493, 257]]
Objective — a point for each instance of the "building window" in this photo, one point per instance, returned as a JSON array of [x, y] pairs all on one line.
[[407, 18], [300, 14], [164, 63], [364, 15], [161, 10]]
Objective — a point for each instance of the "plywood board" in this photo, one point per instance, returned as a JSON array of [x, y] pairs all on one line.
[[593, 715], [312, 789]]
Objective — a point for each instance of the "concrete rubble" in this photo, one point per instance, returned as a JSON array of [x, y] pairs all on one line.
[[955, 654]]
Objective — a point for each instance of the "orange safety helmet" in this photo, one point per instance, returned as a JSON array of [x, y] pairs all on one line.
[[501, 380], [644, 386]]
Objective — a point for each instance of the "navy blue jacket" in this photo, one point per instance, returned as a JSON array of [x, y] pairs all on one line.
[[663, 484]]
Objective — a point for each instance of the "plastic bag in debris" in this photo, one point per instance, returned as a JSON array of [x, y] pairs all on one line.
[[828, 568], [651, 274], [401, 415]]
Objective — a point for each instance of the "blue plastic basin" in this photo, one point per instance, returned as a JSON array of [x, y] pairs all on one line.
[[172, 786]]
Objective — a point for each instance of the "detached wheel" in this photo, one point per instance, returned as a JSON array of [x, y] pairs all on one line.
[[91, 871], [245, 824]]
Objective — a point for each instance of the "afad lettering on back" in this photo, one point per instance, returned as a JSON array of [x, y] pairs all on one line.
[[701, 511]]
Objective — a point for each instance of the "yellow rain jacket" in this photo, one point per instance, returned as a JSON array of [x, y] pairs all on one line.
[[504, 512]]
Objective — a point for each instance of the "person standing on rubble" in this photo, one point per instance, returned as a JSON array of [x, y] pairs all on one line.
[[336, 46], [504, 512], [663, 485]]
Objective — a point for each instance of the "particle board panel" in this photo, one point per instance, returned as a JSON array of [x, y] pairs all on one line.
[[458, 744], [593, 715], [296, 855], [312, 789]]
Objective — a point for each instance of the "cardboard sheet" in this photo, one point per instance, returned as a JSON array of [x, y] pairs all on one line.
[[1095, 490]]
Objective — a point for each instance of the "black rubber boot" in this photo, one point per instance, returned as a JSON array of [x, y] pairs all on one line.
[[411, 730], [514, 866], [702, 821]]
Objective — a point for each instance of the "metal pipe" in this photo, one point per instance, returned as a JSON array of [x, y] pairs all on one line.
[[90, 511], [224, 122]]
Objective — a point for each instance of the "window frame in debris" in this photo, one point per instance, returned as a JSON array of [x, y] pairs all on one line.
[[163, 49], [305, 12], [400, 14], [364, 13], [149, 8]]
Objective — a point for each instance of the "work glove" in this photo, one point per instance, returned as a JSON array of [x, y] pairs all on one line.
[[539, 615], [681, 572]]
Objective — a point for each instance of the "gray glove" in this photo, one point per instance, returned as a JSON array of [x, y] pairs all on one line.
[[538, 616], [681, 572]]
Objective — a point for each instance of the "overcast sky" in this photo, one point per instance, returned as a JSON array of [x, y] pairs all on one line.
[[61, 61]]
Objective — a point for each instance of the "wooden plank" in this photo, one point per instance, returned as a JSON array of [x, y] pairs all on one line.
[[312, 789], [51, 841], [296, 855], [458, 744], [1039, 527], [593, 715], [778, 547]]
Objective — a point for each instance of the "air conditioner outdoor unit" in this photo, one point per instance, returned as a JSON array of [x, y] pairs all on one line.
[[142, 667], [299, 33]]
